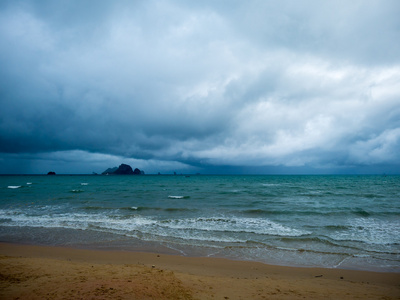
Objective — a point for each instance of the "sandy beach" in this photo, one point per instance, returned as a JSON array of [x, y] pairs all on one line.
[[36, 272]]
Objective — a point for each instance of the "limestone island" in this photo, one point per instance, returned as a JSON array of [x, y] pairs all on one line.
[[123, 169]]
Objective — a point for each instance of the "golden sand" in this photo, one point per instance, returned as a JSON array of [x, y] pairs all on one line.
[[33, 272]]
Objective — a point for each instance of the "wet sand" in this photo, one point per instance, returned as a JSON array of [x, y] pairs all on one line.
[[35, 272]]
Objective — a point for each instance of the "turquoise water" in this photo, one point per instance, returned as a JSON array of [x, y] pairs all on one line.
[[327, 221]]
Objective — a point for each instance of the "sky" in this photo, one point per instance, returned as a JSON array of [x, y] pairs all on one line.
[[211, 87]]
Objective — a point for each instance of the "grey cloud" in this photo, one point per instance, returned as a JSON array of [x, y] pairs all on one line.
[[359, 31], [212, 84]]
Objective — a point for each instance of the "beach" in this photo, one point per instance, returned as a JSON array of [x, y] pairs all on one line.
[[44, 272]]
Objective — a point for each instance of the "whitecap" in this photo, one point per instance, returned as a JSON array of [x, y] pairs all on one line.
[[84, 183], [14, 186], [176, 197], [28, 183]]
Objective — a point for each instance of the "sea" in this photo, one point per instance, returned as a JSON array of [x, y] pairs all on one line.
[[349, 222]]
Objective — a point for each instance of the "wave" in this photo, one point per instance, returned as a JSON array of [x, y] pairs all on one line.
[[342, 212], [140, 208], [271, 184], [372, 231], [337, 227], [76, 191], [363, 230], [14, 186], [73, 220], [234, 225], [180, 209], [167, 209], [215, 226], [95, 208], [108, 208], [259, 211], [361, 212], [371, 196], [311, 239], [198, 238], [178, 197], [356, 235], [330, 249]]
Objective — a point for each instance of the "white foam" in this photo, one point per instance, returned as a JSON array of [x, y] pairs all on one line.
[[176, 197], [226, 230], [84, 183], [371, 231], [28, 183], [74, 221], [193, 235], [14, 186], [248, 225]]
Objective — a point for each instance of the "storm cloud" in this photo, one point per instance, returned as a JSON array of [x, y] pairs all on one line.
[[213, 86]]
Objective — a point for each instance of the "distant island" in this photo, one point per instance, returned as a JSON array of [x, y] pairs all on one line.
[[123, 169]]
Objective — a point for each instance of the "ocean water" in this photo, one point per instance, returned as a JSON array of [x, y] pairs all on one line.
[[348, 222]]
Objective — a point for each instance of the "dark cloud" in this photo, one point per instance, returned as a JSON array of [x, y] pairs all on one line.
[[233, 86]]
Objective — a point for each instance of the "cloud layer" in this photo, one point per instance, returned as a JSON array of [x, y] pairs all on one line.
[[201, 86]]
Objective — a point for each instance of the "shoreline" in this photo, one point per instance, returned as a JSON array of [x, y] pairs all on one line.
[[138, 246], [103, 274]]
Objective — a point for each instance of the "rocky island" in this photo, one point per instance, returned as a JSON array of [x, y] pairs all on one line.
[[123, 169]]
